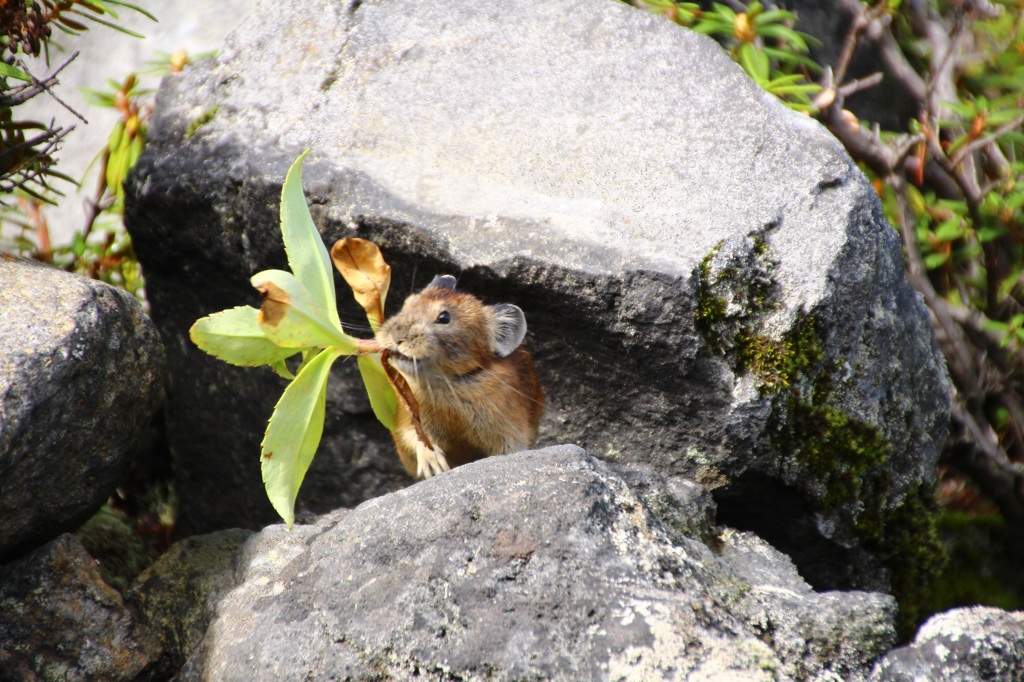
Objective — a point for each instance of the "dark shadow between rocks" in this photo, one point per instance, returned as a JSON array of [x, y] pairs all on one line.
[[777, 513]]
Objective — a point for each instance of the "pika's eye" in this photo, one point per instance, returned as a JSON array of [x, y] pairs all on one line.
[[443, 318]]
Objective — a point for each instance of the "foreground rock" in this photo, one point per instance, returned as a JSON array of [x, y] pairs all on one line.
[[178, 595], [709, 282], [60, 621], [817, 636], [962, 645], [81, 376], [540, 565]]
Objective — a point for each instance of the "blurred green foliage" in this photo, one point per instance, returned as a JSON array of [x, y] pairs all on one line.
[[101, 249]]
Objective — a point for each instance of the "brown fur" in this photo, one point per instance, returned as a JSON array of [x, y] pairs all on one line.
[[473, 403]]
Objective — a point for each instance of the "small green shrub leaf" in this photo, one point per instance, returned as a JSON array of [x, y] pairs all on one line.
[[754, 62], [8, 71], [292, 317], [382, 395], [306, 252], [293, 434], [235, 337], [949, 230]]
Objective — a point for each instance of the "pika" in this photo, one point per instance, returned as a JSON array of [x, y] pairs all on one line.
[[476, 386]]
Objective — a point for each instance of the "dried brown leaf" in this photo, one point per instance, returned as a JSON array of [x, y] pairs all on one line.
[[405, 396], [361, 264]]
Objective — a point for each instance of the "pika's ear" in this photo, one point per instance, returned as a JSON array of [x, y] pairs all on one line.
[[442, 282], [509, 329]]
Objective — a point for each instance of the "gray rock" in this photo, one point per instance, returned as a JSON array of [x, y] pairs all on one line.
[[538, 565], [81, 376], [710, 285], [962, 645], [829, 636], [60, 621], [685, 507], [177, 595]]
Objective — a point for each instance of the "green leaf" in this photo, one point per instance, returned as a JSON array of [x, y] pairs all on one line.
[[935, 260], [792, 59], [788, 79], [987, 234], [785, 35], [965, 110], [801, 89], [293, 434], [916, 200], [290, 315], [307, 254], [99, 7], [754, 62], [235, 337], [135, 8], [998, 118], [712, 28], [78, 244], [725, 12], [110, 24], [773, 16], [382, 395], [281, 369], [957, 143], [9, 71], [949, 230]]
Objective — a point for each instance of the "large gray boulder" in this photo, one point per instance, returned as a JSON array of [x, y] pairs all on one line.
[[538, 565], [81, 377], [962, 645], [710, 285], [60, 621]]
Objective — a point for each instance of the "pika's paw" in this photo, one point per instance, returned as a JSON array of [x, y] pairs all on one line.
[[429, 462]]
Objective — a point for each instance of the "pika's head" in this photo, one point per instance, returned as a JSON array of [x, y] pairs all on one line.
[[441, 332]]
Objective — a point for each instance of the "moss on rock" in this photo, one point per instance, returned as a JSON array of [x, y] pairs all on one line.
[[845, 456]]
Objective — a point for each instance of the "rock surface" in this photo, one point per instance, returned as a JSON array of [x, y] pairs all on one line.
[[60, 621], [539, 565], [817, 636], [710, 285], [962, 645], [177, 596], [81, 376]]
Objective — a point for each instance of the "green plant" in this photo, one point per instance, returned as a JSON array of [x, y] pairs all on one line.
[[101, 249], [761, 40], [27, 148], [299, 316]]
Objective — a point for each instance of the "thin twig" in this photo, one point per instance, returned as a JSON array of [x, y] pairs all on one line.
[[859, 84], [961, 363], [983, 141], [862, 18], [27, 92], [49, 91]]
